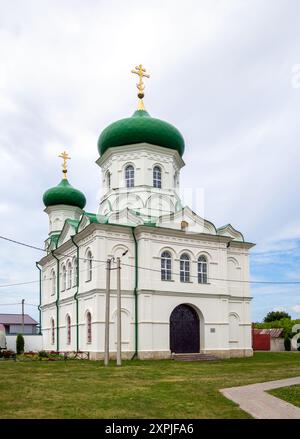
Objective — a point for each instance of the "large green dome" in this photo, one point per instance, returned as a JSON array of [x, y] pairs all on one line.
[[140, 128], [64, 193]]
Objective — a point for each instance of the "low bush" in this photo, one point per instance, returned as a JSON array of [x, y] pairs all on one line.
[[20, 344]]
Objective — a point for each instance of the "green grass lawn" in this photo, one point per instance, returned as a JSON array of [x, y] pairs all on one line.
[[139, 389], [290, 394]]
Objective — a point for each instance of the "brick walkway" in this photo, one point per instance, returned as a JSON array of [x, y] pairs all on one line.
[[254, 400]]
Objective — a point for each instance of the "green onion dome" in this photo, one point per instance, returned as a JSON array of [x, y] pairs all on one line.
[[64, 193], [141, 128]]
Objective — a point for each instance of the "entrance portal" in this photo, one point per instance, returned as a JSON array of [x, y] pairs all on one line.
[[184, 330]]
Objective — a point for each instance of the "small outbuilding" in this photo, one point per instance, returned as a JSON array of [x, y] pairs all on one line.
[[268, 339], [13, 324]]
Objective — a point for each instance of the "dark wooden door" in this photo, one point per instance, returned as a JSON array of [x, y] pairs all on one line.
[[184, 330]]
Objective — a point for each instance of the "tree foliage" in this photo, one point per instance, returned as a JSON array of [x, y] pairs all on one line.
[[276, 315], [20, 344]]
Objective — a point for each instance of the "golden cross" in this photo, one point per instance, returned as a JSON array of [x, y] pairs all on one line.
[[141, 72], [65, 157]]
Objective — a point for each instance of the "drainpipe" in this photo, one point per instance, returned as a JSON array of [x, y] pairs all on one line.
[[76, 294], [57, 302], [40, 296], [135, 295]]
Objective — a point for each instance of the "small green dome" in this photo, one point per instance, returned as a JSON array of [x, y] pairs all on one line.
[[64, 193], [140, 128]]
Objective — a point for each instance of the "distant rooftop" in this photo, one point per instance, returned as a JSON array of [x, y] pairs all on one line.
[[16, 319]]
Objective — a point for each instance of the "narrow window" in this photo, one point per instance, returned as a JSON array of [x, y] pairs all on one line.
[[68, 329], [202, 270], [184, 268], [64, 278], [88, 327], [129, 176], [70, 274], [157, 177], [166, 266], [74, 272], [108, 179], [52, 331], [53, 282], [89, 274]]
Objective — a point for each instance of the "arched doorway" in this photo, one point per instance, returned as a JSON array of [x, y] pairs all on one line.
[[184, 330]]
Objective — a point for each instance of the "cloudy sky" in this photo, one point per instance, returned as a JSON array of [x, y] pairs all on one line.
[[226, 73]]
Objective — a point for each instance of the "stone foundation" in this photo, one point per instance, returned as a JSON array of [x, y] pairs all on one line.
[[166, 355]]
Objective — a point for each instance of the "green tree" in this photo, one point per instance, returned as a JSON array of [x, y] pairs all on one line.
[[20, 344], [276, 315]]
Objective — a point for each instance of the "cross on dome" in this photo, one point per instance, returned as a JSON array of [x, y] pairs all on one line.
[[141, 72], [64, 155]]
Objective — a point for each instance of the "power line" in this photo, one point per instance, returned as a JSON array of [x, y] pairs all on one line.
[[142, 268], [219, 279], [44, 250], [47, 278]]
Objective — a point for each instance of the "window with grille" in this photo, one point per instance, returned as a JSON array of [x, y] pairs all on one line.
[[129, 176], [184, 268], [89, 328], [89, 274], [157, 177], [52, 332], [202, 270], [166, 266], [68, 329]]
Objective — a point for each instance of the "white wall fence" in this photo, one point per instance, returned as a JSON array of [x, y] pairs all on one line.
[[33, 342]]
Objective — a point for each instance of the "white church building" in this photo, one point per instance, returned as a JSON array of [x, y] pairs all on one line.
[[184, 282]]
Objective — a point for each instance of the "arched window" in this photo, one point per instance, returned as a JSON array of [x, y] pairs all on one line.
[[157, 177], [202, 270], [176, 179], [74, 272], [52, 329], [108, 180], [88, 327], [233, 327], [89, 261], [184, 268], [70, 274], [166, 266], [53, 282], [64, 278], [68, 329], [129, 176]]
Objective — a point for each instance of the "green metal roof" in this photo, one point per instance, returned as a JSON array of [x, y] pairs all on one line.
[[141, 128], [64, 193], [95, 218]]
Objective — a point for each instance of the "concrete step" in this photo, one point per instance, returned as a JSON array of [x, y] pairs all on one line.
[[194, 357]]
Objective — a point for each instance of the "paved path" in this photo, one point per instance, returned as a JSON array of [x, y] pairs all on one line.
[[254, 400]]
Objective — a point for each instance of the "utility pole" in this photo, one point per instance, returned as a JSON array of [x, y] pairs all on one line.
[[107, 313], [23, 301], [119, 332]]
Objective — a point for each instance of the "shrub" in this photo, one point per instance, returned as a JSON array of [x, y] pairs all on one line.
[[8, 354], [20, 344], [43, 354], [287, 343]]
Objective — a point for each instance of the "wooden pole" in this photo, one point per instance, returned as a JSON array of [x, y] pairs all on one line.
[[119, 333], [107, 313], [23, 300]]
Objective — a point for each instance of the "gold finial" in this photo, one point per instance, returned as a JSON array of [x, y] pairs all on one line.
[[141, 72], [65, 157]]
